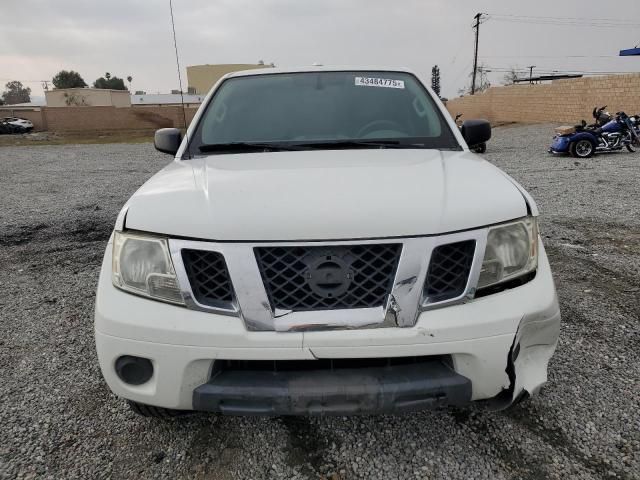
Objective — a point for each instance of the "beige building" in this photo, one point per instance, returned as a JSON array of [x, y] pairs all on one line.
[[202, 77], [93, 97], [161, 99]]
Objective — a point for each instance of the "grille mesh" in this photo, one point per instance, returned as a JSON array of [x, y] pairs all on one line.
[[449, 270], [293, 276], [209, 277]]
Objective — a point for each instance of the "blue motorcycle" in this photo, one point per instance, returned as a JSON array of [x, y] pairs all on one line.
[[606, 135]]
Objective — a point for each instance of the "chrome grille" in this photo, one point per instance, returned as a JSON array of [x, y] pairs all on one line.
[[209, 278], [303, 278], [449, 271]]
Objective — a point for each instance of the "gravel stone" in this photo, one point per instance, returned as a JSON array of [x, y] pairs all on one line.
[[59, 420]]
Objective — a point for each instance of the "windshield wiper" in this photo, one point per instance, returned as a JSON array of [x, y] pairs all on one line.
[[294, 146], [359, 144], [248, 147]]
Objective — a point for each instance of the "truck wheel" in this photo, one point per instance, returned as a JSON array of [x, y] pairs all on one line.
[[155, 412], [480, 148], [582, 149]]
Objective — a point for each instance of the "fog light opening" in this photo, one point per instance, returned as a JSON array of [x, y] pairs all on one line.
[[134, 370]]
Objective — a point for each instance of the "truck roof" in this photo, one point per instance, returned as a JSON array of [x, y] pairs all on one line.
[[317, 68]]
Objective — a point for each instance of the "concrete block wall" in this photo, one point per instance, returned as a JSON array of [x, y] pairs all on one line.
[[102, 119], [112, 119], [562, 101]]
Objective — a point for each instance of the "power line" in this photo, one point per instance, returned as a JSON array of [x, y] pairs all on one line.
[[542, 17], [461, 72], [559, 71], [551, 56], [462, 45], [570, 21], [568, 24], [22, 81]]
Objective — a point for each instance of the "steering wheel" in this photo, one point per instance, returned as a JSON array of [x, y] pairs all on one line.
[[379, 125]]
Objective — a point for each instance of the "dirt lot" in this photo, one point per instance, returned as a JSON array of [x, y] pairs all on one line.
[[58, 419]]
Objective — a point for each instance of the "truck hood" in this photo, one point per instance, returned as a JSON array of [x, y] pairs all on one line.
[[324, 195]]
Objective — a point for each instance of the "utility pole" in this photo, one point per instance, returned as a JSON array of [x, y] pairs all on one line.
[[531, 67], [475, 56]]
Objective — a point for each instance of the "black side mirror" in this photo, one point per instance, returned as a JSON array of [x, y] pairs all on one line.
[[476, 131], [167, 140]]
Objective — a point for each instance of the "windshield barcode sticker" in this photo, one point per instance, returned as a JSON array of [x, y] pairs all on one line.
[[379, 82]]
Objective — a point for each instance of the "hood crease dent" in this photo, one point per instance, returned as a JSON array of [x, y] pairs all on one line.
[[324, 195]]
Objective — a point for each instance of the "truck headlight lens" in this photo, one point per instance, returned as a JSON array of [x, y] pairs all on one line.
[[512, 251], [142, 265]]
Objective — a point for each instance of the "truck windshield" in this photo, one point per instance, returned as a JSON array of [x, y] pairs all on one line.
[[321, 110]]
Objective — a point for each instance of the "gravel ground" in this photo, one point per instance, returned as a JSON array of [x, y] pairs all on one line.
[[58, 419]]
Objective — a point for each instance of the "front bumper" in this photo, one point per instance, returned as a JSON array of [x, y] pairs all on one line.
[[398, 388], [500, 344]]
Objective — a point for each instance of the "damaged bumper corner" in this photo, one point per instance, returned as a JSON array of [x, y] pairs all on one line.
[[533, 346], [535, 342]]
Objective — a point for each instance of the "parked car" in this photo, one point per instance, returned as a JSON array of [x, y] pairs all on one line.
[[18, 125], [324, 242], [5, 128]]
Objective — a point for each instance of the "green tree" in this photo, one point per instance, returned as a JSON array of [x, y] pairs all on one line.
[[68, 79], [109, 82], [435, 79], [16, 93]]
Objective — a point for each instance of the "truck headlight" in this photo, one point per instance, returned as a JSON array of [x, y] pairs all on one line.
[[512, 251], [142, 265]]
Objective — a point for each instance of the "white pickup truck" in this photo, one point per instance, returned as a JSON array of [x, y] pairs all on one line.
[[325, 243]]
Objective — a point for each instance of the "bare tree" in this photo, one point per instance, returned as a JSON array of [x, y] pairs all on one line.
[[510, 77], [482, 81]]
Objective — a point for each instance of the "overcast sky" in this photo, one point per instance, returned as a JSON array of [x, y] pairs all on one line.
[[129, 37]]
